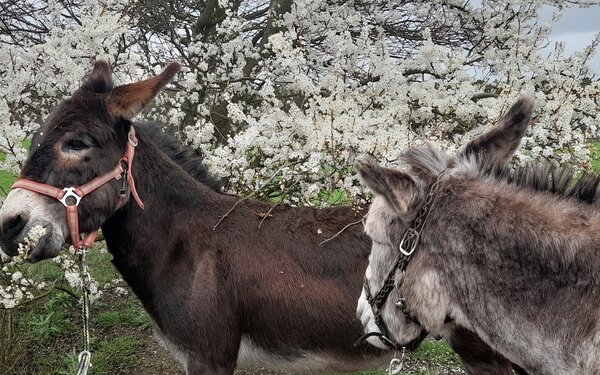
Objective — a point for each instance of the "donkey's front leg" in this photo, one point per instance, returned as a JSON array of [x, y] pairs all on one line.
[[477, 357], [199, 366], [217, 355]]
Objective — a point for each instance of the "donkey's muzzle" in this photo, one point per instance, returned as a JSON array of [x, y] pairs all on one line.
[[10, 232]]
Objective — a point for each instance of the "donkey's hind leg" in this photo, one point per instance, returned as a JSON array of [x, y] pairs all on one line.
[[477, 357]]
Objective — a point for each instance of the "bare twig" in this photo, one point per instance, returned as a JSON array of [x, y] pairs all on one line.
[[341, 230], [69, 292], [48, 292], [228, 212], [268, 214]]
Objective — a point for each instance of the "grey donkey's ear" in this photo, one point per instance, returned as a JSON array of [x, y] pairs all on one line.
[[498, 145], [398, 188]]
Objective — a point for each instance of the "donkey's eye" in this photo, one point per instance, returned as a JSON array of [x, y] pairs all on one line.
[[75, 145]]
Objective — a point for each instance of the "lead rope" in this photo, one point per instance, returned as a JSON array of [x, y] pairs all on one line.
[[85, 357]]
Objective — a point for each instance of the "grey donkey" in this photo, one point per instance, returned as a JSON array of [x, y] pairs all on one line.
[[510, 256]]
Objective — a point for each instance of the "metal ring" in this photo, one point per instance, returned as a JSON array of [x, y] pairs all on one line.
[[132, 139], [387, 342], [70, 192]]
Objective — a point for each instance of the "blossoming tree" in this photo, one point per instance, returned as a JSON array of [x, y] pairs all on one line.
[[280, 96]]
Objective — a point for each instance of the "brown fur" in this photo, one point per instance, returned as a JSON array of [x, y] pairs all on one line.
[[215, 292], [218, 294]]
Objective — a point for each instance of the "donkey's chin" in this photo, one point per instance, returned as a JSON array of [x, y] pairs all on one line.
[[402, 331], [365, 314], [412, 336]]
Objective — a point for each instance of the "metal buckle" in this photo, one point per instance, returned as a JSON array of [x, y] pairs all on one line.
[[412, 234], [70, 192]]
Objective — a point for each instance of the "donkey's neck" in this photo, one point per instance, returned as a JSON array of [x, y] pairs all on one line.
[[145, 242], [162, 182], [506, 224], [525, 259]]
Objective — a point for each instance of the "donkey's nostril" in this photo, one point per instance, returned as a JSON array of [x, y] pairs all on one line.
[[14, 222], [14, 225], [10, 230]]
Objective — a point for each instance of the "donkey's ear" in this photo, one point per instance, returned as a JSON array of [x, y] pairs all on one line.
[[100, 80], [398, 188], [498, 145], [128, 100]]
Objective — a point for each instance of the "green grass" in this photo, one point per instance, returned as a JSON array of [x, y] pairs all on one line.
[[438, 354], [49, 324], [7, 178], [431, 358], [596, 156], [49, 330], [128, 316], [434, 350], [100, 266], [46, 326], [6, 181], [118, 354]]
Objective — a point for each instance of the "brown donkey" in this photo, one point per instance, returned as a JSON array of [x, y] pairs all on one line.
[[219, 297], [509, 255]]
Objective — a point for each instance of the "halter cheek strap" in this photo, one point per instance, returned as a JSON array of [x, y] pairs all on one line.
[[70, 197], [408, 245], [132, 143]]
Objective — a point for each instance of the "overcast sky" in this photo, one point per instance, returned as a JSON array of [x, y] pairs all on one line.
[[577, 28]]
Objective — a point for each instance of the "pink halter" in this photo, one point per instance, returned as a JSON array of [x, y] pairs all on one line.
[[119, 172]]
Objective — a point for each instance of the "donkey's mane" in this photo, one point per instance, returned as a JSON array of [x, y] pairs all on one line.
[[548, 177], [428, 160], [542, 177], [183, 156]]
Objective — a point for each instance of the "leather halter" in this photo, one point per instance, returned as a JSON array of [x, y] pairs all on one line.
[[70, 197], [408, 245]]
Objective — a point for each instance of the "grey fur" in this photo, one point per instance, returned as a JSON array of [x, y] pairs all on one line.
[[508, 255]]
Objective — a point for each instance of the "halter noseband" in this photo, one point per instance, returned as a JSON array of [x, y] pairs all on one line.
[[71, 196], [408, 245]]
